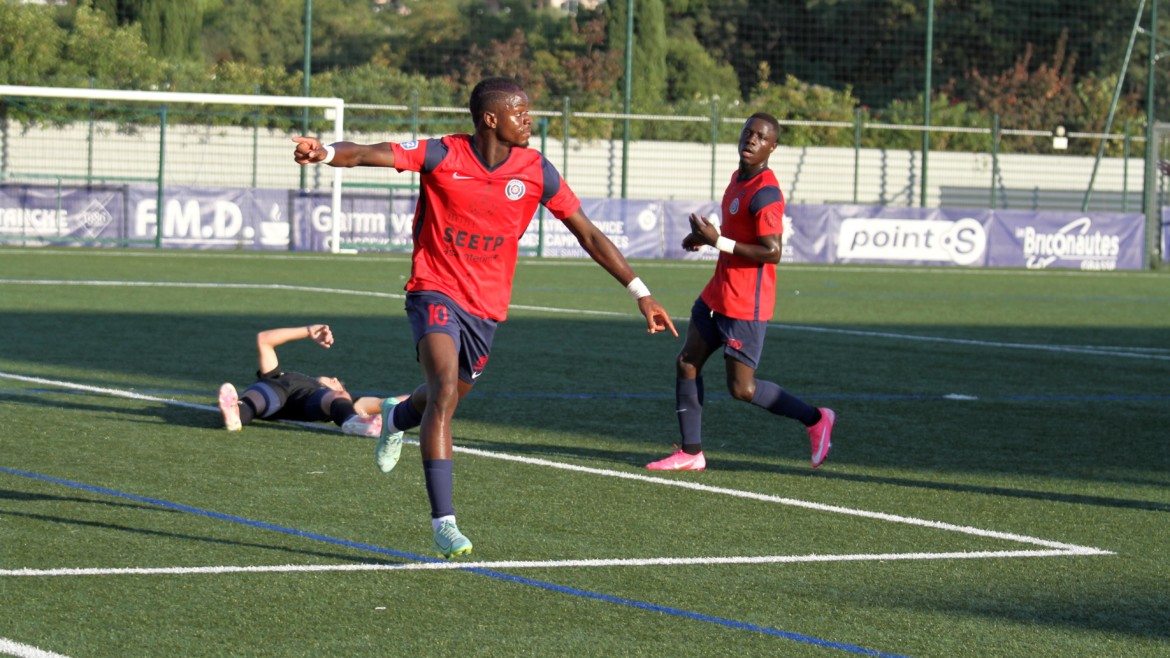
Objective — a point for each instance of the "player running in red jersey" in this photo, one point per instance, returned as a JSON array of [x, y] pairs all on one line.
[[733, 310], [479, 193]]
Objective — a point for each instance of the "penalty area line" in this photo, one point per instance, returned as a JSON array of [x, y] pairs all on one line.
[[553, 564], [12, 648]]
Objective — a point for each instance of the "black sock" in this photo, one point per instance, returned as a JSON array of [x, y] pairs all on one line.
[[247, 411], [340, 410]]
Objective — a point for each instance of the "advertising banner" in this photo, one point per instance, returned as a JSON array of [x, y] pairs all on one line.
[[380, 222], [202, 218], [47, 214], [635, 227], [1067, 240]]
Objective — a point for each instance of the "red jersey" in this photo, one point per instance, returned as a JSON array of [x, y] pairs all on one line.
[[469, 218], [741, 288]]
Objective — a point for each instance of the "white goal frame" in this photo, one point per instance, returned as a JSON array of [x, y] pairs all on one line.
[[337, 105]]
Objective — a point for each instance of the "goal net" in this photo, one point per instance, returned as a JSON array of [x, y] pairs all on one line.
[[165, 169]]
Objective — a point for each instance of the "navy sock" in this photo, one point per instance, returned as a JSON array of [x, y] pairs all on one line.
[[688, 400], [247, 411], [440, 476], [405, 416], [340, 410], [775, 399]]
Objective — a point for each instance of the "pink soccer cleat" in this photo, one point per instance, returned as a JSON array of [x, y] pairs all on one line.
[[229, 406], [679, 461], [819, 435]]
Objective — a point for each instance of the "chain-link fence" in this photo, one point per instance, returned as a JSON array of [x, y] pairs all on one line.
[[54, 141]]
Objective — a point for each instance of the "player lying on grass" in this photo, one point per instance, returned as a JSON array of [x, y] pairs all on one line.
[[287, 395]]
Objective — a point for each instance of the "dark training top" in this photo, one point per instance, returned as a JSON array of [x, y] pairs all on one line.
[[298, 395]]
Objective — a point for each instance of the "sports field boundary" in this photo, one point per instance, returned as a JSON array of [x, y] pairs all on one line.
[[1055, 548]]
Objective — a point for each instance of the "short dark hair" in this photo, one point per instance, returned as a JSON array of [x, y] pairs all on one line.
[[771, 120], [490, 91]]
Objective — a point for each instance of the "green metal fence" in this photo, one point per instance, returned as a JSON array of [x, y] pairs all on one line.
[[859, 162]]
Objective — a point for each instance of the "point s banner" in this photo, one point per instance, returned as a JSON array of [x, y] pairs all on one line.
[[964, 237]]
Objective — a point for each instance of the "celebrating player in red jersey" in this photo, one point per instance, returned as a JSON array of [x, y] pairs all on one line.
[[733, 310], [479, 193]]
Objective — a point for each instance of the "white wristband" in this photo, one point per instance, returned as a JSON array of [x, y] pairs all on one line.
[[637, 289], [329, 153], [725, 244]]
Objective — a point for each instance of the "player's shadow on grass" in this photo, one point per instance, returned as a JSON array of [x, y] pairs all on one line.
[[100, 525], [24, 496], [730, 465], [1032, 412]]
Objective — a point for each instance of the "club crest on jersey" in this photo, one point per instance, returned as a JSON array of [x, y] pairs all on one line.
[[515, 189], [734, 207], [409, 146]]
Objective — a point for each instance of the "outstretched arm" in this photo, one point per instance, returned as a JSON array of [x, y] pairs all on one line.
[[603, 251], [268, 341], [310, 150], [767, 249]]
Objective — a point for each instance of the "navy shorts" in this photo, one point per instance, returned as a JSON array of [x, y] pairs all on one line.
[[433, 312], [743, 340]]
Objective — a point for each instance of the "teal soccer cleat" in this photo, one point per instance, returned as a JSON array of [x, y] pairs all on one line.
[[449, 542], [389, 446]]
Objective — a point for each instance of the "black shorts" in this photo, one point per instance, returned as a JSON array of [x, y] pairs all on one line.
[[433, 312], [290, 396], [743, 340]]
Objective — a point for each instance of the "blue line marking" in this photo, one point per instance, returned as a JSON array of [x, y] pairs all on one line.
[[641, 605]]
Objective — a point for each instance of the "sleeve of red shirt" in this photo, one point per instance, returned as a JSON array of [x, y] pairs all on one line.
[[421, 155], [768, 208], [557, 196]]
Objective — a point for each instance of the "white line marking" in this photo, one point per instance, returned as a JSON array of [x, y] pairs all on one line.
[[25, 651], [554, 564], [1063, 548], [791, 502], [1151, 353], [1137, 353], [583, 262]]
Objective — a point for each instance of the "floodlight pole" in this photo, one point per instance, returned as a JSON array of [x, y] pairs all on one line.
[[926, 98], [1137, 26], [305, 83], [628, 91], [1151, 209]]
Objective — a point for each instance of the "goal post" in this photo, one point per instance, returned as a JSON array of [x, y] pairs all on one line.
[[334, 108]]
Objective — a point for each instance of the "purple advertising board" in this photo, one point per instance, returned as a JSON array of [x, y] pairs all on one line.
[[202, 218]]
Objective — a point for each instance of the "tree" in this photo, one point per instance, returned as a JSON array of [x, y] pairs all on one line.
[[1049, 95], [30, 44], [171, 29], [97, 49], [648, 84], [260, 32]]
